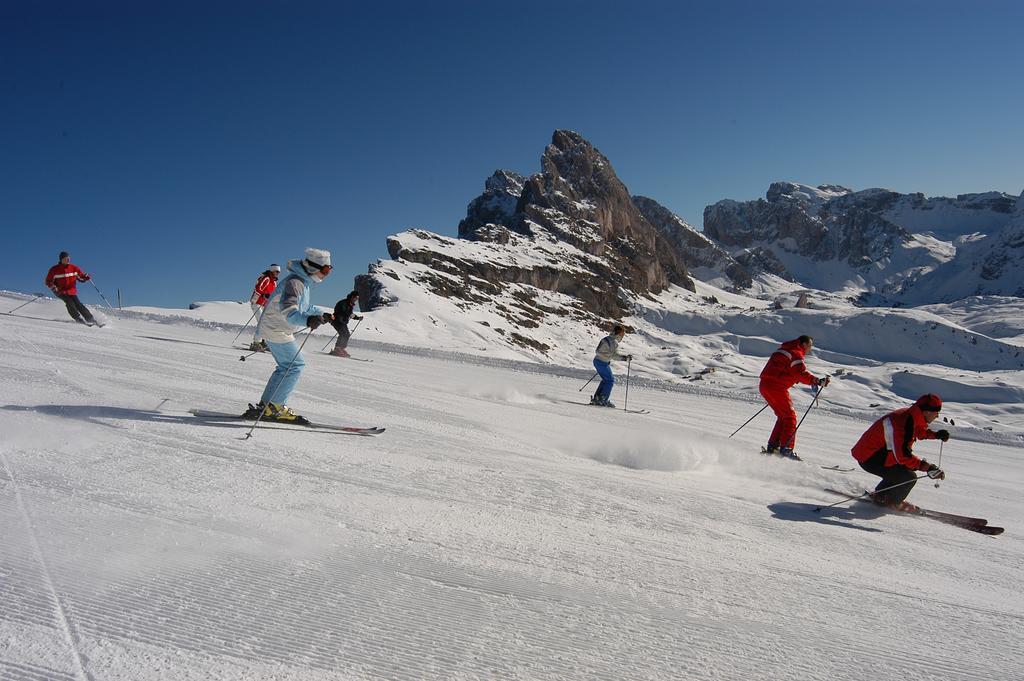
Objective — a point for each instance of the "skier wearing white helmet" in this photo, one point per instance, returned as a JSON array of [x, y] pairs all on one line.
[[288, 310]]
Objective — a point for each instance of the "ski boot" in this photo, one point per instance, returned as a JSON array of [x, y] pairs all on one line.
[[788, 453], [770, 449], [254, 411], [283, 414], [339, 352], [902, 506]]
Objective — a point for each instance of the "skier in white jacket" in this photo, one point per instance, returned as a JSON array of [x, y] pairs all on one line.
[[288, 310]]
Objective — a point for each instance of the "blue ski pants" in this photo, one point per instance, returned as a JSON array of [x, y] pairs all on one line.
[[282, 382], [604, 369]]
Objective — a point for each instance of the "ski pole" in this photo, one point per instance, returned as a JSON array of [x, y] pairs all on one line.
[[821, 389], [625, 400], [358, 322], [941, 442], [245, 357], [270, 400], [101, 294], [877, 491], [588, 382], [324, 349], [749, 420], [245, 327], [38, 296]]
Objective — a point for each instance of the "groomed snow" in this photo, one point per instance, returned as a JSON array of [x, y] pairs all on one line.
[[497, 529]]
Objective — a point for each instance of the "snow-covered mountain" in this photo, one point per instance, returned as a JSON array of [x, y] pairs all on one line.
[[543, 265], [565, 244], [989, 264], [874, 241]]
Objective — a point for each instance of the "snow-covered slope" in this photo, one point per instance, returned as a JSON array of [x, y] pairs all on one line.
[[497, 529]]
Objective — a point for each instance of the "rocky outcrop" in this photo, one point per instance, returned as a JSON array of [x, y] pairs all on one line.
[[571, 229], [877, 240], [496, 207], [695, 249], [578, 199], [991, 265], [821, 223]]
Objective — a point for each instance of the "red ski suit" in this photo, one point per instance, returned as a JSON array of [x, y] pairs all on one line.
[[63, 279], [785, 368], [265, 285], [895, 433]]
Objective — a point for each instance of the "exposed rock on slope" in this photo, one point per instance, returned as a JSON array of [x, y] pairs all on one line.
[[571, 230]]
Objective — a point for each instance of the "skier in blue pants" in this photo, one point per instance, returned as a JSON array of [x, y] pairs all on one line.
[[288, 310], [607, 350]]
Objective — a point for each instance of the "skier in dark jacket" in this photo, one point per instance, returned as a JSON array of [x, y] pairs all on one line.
[[63, 280], [343, 311]]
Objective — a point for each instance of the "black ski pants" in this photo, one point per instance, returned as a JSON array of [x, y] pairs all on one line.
[[76, 308], [891, 475], [343, 334]]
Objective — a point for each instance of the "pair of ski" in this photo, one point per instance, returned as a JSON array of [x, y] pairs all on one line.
[[979, 525], [627, 411], [216, 417], [836, 468]]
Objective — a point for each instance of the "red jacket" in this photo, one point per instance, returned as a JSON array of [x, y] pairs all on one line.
[[265, 285], [896, 433], [63, 279], [785, 368]]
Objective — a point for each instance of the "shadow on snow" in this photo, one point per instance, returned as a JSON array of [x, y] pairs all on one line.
[[840, 516]]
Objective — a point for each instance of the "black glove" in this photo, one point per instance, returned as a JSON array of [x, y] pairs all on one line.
[[934, 472], [629, 358], [942, 435], [327, 317], [357, 316], [314, 321]]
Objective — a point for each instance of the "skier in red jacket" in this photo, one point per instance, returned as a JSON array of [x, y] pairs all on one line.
[[785, 368], [63, 280], [886, 449], [266, 283]]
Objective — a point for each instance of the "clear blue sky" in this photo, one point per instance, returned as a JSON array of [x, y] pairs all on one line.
[[177, 148]]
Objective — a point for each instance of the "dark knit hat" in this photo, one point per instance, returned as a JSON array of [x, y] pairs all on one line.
[[929, 402], [63, 254]]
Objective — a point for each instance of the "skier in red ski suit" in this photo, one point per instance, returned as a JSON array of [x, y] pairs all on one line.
[[886, 449], [266, 283], [785, 368], [63, 280]]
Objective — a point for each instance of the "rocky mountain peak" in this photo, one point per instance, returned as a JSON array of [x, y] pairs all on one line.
[[571, 230]]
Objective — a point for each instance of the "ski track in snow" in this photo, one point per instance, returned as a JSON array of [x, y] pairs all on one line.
[[494, 530]]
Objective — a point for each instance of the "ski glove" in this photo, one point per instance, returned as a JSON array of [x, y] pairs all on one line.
[[86, 277], [314, 321], [327, 317], [820, 382], [629, 358], [942, 435], [356, 316], [935, 473]]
